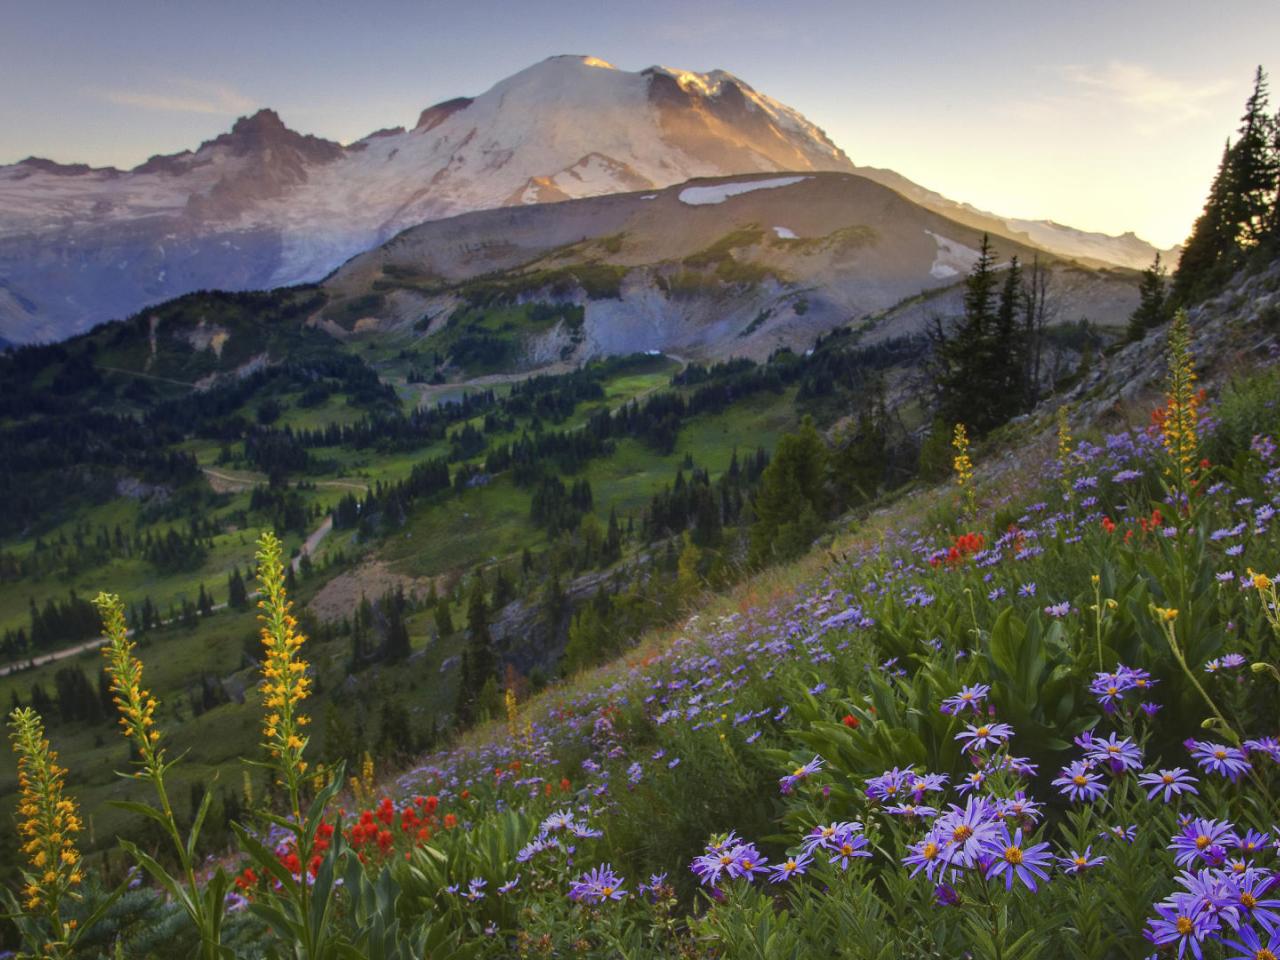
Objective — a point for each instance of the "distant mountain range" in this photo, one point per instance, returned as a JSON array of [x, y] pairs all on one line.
[[709, 269], [263, 206]]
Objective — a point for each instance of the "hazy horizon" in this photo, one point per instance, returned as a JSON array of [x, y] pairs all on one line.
[[1103, 119]]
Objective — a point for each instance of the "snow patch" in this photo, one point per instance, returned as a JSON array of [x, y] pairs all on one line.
[[784, 234], [650, 196], [720, 192], [952, 258]]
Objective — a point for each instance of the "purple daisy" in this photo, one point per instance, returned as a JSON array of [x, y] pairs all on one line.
[[969, 698], [1219, 758], [1173, 782], [982, 736], [1122, 754], [1079, 782], [1078, 863], [598, 885], [792, 866], [1014, 860]]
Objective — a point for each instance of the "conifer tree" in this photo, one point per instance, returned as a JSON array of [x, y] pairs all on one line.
[[1007, 355], [792, 499], [1254, 167], [1152, 309]]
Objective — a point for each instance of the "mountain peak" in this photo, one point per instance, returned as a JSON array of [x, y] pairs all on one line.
[[265, 122], [265, 130], [583, 59]]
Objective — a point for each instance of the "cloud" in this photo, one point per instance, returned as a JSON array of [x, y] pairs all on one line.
[[184, 96], [1160, 101]]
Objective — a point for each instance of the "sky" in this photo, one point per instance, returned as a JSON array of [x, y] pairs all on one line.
[[1104, 116]]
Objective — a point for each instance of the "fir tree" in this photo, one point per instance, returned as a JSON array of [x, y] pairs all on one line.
[[1254, 167], [792, 498], [1152, 306]]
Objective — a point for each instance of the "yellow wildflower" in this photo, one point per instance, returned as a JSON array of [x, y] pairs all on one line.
[[48, 820], [136, 705], [284, 681], [1181, 412]]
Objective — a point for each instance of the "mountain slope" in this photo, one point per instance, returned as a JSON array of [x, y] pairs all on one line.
[[727, 267], [264, 206]]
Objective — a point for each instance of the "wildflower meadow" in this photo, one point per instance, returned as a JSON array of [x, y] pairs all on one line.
[[1040, 728]]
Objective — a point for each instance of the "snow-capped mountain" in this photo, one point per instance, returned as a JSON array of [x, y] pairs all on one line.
[[264, 206]]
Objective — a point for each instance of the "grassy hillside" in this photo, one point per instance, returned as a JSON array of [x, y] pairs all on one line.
[[1011, 668]]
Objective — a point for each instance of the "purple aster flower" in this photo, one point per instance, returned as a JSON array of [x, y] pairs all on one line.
[[962, 831], [1078, 863], [1268, 745], [1122, 754], [1079, 782], [1013, 859], [848, 846], [510, 885], [969, 698], [1219, 758], [910, 810], [1250, 946], [890, 785], [983, 736], [598, 885], [1119, 832], [1019, 807], [1058, 610], [971, 781], [826, 836], [1109, 688], [1172, 782], [1249, 899], [926, 856], [789, 868], [746, 862], [1252, 842], [1177, 924], [1027, 590], [1199, 837], [802, 772], [946, 895]]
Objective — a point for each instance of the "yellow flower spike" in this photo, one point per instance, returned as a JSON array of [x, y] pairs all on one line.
[[1181, 413], [284, 681], [962, 465], [136, 705], [47, 818]]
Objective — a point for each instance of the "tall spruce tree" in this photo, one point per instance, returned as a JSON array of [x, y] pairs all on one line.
[[1008, 355], [792, 499], [977, 367], [1207, 254], [1254, 167], [1152, 309]]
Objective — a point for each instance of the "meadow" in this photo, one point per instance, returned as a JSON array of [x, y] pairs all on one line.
[[1031, 717]]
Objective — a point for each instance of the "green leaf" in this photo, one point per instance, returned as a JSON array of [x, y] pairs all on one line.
[[162, 877]]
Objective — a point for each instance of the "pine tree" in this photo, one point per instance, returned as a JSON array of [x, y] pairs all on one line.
[[478, 660], [443, 618], [792, 498], [1008, 349], [974, 366], [237, 595], [397, 646], [1152, 308], [1254, 167]]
